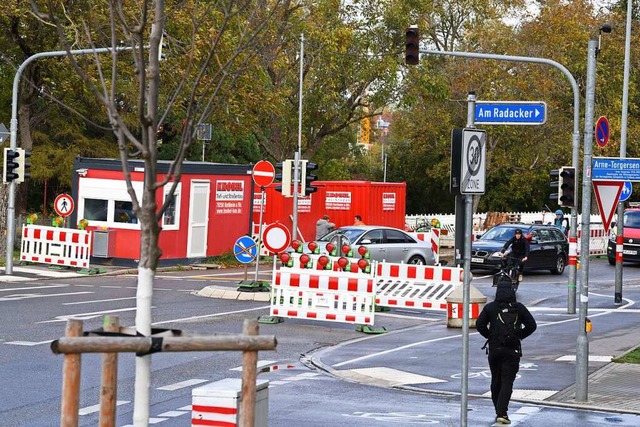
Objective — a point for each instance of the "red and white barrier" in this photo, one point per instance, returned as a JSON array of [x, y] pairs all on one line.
[[434, 237], [598, 240], [218, 403], [455, 310], [334, 296], [415, 286], [56, 246]]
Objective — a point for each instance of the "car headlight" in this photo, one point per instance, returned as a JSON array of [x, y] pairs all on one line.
[[496, 254]]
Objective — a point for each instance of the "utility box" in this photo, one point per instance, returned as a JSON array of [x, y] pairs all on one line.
[[218, 403], [103, 244]]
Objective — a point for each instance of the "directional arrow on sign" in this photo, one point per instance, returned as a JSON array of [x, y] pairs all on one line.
[[607, 195]]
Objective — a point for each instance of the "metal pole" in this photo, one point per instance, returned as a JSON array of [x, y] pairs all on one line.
[[582, 346], [298, 156], [255, 277], [617, 299], [466, 286], [11, 200]]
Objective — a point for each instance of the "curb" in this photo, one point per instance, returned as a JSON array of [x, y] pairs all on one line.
[[227, 293]]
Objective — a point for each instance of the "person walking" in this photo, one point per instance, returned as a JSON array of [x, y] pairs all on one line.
[[323, 226], [504, 322], [358, 220]]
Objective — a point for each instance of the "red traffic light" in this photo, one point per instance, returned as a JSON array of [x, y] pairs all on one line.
[[342, 262], [330, 247], [296, 244], [313, 246], [323, 261], [346, 249], [412, 45], [304, 259], [362, 250], [362, 263]]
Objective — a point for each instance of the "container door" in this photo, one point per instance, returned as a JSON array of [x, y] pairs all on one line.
[[198, 219]]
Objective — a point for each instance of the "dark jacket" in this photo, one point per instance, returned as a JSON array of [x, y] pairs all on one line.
[[519, 247], [489, 316]]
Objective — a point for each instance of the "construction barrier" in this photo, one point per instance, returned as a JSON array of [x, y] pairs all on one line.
[[415, 286], [455, 307], [56, 246], [598, 240], [335, 296], [218, 403]]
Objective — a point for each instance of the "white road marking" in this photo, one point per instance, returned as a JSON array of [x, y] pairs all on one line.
[[85, 316], [204, 316], [592, 358], [182, 384], [97, 301], [261, 363], [17, 297], [30, 288], [96, 408], [395, 376], [28, 343], [173, 414]]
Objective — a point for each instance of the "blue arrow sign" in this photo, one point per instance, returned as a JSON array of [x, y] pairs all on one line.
[[245, 249], [615, 169], [510, 113]]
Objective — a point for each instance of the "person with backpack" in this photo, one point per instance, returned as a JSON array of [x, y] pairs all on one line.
[[504, 322]]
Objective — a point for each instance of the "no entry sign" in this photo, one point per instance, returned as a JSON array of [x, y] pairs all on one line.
[[263, 173]]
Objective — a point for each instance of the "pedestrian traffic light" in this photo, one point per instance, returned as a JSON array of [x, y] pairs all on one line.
[[554, 178], [283, 174], [567, 187], [306, 168], [412, 45], [24, 167], [10, 165]]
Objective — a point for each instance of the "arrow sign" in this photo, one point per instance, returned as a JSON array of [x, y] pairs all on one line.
[[510, 113], [607, 195]]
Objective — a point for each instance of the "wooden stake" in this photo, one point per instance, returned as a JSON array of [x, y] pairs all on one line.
[[71, 379], [249, 378], [109, 390]]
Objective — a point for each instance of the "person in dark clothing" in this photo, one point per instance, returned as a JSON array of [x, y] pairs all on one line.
[[504, 360], [519, 250]]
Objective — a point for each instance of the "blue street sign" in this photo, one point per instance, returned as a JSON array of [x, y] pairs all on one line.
[[245, 249], [615, 169], [510, 113], [626, 191]]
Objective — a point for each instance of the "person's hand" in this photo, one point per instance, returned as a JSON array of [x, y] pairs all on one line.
[[524, 259], [501, 253]]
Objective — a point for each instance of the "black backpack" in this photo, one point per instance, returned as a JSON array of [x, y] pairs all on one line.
[[508, 327]]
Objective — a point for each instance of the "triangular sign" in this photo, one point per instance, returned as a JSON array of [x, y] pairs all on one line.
[[607, 196]]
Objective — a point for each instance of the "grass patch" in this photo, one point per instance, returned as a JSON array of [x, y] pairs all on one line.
[[632, 357]]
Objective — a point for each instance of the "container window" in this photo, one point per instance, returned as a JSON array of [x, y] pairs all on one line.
[[95, 209], [171, 217], [123, 212]]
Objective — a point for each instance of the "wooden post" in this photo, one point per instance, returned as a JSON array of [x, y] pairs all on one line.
[[71, 379], [109, 389], [249, 378]]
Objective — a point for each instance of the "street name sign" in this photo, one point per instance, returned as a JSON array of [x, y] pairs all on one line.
[[615, 169], [510, 113]]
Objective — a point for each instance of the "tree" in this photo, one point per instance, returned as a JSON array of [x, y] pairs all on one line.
[[214, 49]]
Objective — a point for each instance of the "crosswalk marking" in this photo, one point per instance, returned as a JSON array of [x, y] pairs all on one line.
[[96, 408], [182, 384]]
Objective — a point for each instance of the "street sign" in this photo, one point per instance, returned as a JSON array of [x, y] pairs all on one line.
[[63, 205], [510, 113], [626, 191], [607, 195], [473, 161], [245, 249], [602, 131], [276, 237], [615, 169], [4, 133], [263, 173]]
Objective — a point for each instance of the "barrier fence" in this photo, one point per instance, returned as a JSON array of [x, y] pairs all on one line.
[[55, 246]]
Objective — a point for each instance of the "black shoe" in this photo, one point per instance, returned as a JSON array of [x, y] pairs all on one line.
[[503, 419]]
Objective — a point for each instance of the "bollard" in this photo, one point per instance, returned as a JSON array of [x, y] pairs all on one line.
[[218, 404], [455, 307]]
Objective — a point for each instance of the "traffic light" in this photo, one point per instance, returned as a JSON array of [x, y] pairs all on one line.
[[412, 45], [283, 174], [307, 177], [554, 183], [24, 167], [10, 165], [567, 187]]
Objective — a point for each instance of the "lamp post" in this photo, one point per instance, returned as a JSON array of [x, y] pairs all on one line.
[[13, 137]]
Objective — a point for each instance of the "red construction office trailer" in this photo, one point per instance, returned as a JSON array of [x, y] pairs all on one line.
[[211, 210], [379, 203]]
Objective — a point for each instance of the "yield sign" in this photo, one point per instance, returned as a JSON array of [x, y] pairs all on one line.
[[607, 195]]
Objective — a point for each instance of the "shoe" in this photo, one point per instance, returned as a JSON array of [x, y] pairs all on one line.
[[520, 277], [503, 419]]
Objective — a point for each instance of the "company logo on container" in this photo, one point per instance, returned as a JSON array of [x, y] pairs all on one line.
[[230, 190]]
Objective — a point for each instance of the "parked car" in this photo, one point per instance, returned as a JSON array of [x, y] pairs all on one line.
[[548, 247], [384, 244], [631, 237]]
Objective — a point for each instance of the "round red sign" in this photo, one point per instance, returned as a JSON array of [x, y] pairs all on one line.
[[263, 173], [63, 205], [276, 237]]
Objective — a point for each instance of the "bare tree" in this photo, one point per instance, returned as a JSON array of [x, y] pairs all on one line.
[[216, 42]]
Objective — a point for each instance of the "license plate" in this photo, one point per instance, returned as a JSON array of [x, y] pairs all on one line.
[[629, 252], [477, 260]]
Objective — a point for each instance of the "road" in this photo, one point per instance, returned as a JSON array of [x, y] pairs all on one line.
[[314, 372]]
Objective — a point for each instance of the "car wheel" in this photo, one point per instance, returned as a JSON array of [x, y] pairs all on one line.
[[612, 261], [560, 264], [417, 260]]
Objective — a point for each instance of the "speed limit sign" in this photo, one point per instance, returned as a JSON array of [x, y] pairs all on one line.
[[472, 162]]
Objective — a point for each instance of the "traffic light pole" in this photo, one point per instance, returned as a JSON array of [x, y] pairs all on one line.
[[296, 163], [571, 286], [13, 132]]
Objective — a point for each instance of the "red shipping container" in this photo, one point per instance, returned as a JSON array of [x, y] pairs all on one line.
[[378, 203]]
